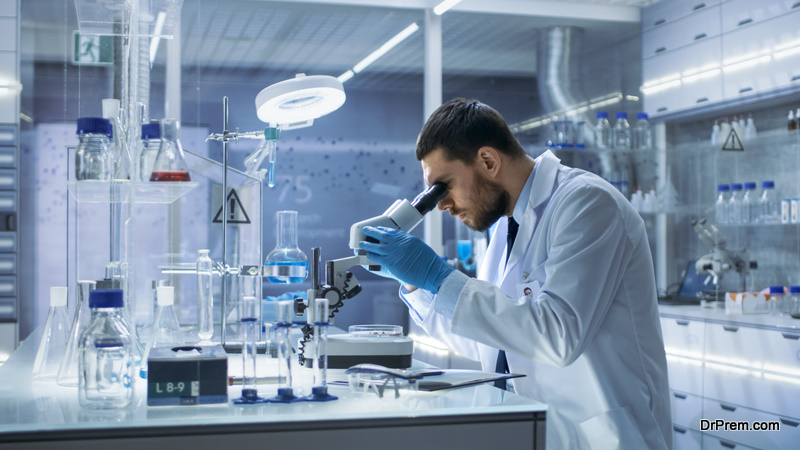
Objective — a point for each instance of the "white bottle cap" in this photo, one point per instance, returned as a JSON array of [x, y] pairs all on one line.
[[58, 296], [110, 108], [165, 295]]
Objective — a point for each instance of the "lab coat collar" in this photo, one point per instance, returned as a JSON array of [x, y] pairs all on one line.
[[544, 178]]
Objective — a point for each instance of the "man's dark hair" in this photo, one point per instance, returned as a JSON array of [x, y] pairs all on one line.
[[461, 127]]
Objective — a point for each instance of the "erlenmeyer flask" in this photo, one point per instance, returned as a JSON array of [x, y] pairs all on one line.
[[54, 338], [170, 164], [286, 263], [68, 369], [166, 328]]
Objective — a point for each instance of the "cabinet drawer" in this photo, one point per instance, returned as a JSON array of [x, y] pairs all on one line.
[[687, 409], [786, 437], [666, 12], [8, 263], [715, 443], [8, 201], [685, 374], [702, 25], [8, 179], [8, 286], [8, 157], [683, 337], [8, 34], [737, 14], [8, 135], [686, 439], [8, 242], [771, 350], [8, 308]]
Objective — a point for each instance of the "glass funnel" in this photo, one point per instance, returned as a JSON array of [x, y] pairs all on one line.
[[286, 263], [170, 164]]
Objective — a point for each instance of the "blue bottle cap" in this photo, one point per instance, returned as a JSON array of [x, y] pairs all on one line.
[[723, 188], [94, 125], [622, 115], [642, 115], [272, 134], [736, 186], [151, 131], [749, 185], [776, 289], [105, 298], [767, 184], [602, 114], [794, 289]]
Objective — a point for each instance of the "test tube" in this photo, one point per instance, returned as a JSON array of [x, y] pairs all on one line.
[[319, 319], [284, 323], [249, 323]]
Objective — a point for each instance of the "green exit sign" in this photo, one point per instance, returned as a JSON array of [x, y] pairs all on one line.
[[93, 50]]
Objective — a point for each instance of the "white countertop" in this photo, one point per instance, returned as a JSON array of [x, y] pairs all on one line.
[[35, 406], [718, 315]]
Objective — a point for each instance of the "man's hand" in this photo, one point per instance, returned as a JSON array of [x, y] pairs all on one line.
[[406, 257]]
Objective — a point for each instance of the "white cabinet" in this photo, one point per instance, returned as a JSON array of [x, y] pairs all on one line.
[[686, 439], [780, 432], [715, 443], [687, 409], [702, 25], [664, 13], [737, 14]]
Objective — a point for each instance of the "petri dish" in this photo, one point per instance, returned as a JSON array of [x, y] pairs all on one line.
[[375, 330]]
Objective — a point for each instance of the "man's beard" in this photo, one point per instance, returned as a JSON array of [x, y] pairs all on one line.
[[489, 203]]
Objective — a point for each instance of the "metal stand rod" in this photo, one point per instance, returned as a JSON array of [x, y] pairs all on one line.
[[224, 214]]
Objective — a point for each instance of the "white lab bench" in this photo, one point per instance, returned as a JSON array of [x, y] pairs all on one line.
[[35, 414], [736, 368]]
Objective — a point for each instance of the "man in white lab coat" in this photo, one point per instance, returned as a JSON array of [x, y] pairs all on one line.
[[588, 335]]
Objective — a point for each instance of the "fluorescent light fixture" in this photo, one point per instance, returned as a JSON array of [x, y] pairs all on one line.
[[701, 76], [391, 43], [441, 8], [788, 52], [647, 90], [299, 99], [157, 35], [746, 64], [345, 76], [632, 98], [696, 70]]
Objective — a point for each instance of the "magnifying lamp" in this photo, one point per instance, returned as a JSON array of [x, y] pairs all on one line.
[[300, 99]]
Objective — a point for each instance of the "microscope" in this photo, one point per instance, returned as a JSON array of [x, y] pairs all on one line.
[[340, 284], [720, 259]]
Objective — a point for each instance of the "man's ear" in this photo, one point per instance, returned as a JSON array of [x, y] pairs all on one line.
[[488, 161]]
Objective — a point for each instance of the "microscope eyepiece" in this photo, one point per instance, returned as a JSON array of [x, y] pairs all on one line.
[[429, 198]]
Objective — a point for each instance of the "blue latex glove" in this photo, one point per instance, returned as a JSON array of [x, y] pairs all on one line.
[[406, 258]]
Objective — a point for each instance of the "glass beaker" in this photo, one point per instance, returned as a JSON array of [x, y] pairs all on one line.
[[93, 159], [54, 337], [68, 369], [170, 164], [286, 263]]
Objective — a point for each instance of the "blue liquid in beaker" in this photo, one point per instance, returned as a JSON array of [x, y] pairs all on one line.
[[288, 279], [464, 250]]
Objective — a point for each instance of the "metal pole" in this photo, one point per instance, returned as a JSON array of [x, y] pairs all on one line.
[[224, 213]]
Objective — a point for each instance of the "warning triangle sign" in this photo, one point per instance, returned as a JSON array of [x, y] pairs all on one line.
[[733, 142], [236, 212]]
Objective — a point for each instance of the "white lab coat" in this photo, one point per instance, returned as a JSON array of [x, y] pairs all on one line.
[[588, 338]]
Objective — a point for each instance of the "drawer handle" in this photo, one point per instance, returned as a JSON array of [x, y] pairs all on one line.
[[791, 423], [661, 49], [744, 22], [680, 430], [795, 78], [702, 99], [660, 21], [680, 396], [662, 109], [700, 36], [727, 444], [792, 337], [731, 329], [683, 323], [796, 5], [699, 6], [745, 89], [727, 407]]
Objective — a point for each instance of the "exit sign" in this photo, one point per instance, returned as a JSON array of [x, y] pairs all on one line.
[[93, 50]]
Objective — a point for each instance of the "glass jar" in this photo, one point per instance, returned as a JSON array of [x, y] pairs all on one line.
[[286, 263], [93, 158]]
